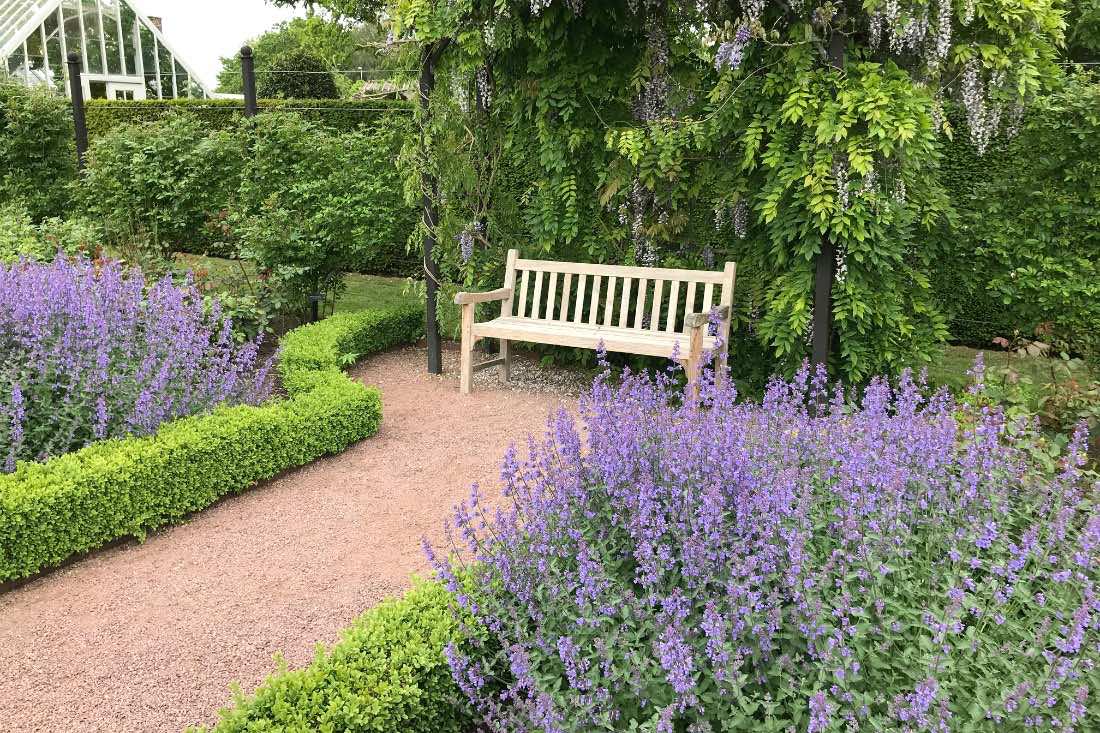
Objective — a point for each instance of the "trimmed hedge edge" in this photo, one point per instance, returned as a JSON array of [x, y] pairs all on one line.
[[387, 674], [52, 511]]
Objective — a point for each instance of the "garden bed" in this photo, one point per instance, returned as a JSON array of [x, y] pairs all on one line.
[[120, 488]]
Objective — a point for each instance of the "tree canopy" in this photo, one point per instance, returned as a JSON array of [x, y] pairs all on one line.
[[767, 131]]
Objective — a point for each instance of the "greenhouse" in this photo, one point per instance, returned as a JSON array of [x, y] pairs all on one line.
[[124, 52]]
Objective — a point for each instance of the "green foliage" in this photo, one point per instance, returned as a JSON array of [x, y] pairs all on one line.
[[227, 114], [297, 75], [610, 137], [1026, 252], [387, 674], [311, 210], [168, 180], [79, 501], [21, 237], [37, 153]]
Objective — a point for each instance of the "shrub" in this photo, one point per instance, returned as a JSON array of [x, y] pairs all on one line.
[[117, 488], [168, 180], [905, 563], [311, 210], [37, 152], [92, 351], [386, 675], [20, 237], [297, 75]]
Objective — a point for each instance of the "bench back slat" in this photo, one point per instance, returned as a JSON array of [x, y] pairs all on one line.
[[612, 296], [593, 308], [523, 295], [639, 307], [578, 309], [565, 288]]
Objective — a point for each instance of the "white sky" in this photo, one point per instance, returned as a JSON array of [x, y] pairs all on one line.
[[205, 30]]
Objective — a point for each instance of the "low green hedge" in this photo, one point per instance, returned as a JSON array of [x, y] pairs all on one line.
[[68, 505], [388, 674]]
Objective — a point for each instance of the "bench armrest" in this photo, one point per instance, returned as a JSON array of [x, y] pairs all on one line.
[[468, 298], [697, 320]]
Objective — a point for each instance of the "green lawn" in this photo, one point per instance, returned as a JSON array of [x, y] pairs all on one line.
[[364, 291], [951, 368]]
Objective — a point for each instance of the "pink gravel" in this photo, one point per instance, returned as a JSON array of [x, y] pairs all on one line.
[[148, 637]]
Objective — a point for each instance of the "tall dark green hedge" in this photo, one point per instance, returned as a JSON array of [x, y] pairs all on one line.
[[37, 152], [225, 114]]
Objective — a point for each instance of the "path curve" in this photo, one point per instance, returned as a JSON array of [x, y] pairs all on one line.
[[148, 637]]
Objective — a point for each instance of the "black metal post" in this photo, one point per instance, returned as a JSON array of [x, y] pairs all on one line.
[[248, 76], [80, 123], [824, 267], [430, 186]]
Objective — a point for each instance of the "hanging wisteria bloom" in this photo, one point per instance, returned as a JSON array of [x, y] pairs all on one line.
[[465, 239], [732, 53]]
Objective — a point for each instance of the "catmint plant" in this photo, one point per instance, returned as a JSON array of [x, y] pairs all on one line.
[[821, 561], [92, 350]]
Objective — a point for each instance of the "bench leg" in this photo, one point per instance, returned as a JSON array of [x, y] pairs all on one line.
[[721, 365], [506, 355], [694, 363], [466, 368]]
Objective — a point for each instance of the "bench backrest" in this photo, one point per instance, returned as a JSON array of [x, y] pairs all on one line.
[[642, 298]]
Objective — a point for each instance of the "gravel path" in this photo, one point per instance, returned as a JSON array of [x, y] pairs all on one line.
[[148, 637]]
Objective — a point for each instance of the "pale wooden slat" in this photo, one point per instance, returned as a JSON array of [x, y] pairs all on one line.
[[578, 310], [624, 305], [593, 307], [536, 305], [689, 305], [673, 298], [552, 297], [639, 307], [507, 307], [729, 279], [523, 293], [609, 300], [625, 340], [655, 314], [656, 273], [708, 297], [565, 293]]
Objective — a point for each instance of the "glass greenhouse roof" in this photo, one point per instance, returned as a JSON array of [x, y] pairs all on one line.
[[124, 54]]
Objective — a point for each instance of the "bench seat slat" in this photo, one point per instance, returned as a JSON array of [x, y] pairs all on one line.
[[626, 340]]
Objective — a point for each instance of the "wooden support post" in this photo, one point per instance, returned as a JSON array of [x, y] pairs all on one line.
[[467, 367], [80, 123]]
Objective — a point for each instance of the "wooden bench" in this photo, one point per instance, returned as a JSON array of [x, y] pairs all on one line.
[[633, 310]]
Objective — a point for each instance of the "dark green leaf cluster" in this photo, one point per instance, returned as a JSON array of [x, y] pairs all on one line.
[[37, 152], [77, 502]]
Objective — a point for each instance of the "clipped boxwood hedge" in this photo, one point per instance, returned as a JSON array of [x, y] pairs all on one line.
[[388, 674], [77, 502]]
